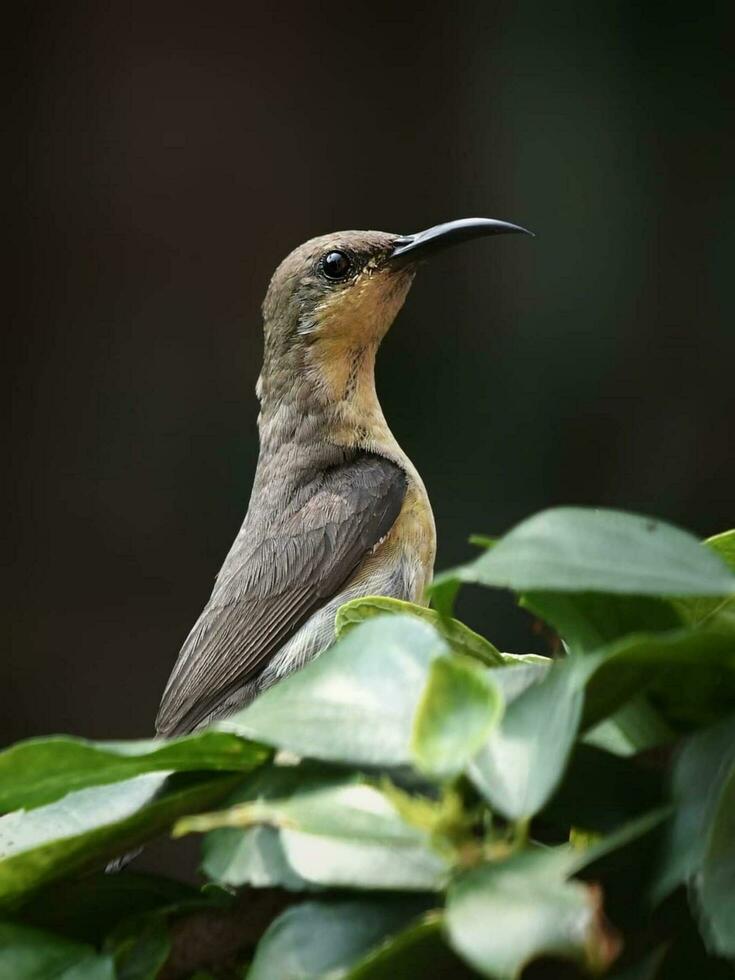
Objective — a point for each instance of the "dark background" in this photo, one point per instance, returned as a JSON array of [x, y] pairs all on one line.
[[172, 153]]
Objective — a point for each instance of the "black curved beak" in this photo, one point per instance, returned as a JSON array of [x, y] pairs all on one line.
[[415, 248]]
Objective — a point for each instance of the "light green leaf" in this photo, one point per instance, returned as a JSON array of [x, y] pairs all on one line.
[[340, 831], [459, 707], [92, 825], [523, 760], [459, 637], [502, 916], [44, 769], [356, 702], [577, 549], [29, 954], [254, 856], [326, 938]]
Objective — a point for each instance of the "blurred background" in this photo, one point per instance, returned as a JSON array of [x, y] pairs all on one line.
[[172, 153]]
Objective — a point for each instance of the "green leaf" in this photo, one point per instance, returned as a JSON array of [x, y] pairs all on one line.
[[718, 614], [92, 825], [690, 672], [716, 884], [255, 856], [44, 769], [523, 760], [356, 702], [703, 768], [635, 727], [419, 951], [588, 620], [327, 937], [459, 707], [502, 916], [340, 831], [459, 637], [576, 549], [443, 592], [28, 954]]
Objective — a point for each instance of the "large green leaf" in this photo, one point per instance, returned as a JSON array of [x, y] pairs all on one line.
[[354, 703], [459, 707], [576, 549], [43, 769], [326, 938], [29, 954], [340, 831], [502, 916], [459, 637], [524, 758], [91, 825]]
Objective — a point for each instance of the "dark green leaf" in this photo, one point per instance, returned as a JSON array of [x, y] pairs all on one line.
[[44, 769], [588, 620], [502, 916], [92, 825], [140, 947], [325, 938], [88, 909], [459, 707], [419, 951], [340, 831], [29, 954], [688, 668], [355, 702], [576, 549], [716, 884], [703, 768], [600, 791], [459, 637], [523, 760]]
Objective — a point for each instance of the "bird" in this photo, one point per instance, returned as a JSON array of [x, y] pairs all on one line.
[[337, 509]]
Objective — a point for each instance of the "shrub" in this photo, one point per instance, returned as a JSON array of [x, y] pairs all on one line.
[[417, 803]]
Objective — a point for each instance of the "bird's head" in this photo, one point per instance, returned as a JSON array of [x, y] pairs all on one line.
[[332, 300]]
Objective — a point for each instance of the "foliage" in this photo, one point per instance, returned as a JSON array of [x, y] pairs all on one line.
[[422, 803]]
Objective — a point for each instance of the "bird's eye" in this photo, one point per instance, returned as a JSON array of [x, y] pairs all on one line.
[[336, 266]]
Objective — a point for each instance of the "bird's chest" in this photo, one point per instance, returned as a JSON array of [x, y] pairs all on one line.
[[406, 554]]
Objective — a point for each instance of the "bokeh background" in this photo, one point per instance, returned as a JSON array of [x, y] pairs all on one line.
[[172, 153]]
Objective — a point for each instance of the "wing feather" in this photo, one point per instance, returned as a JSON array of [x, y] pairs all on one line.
[[281, 569]]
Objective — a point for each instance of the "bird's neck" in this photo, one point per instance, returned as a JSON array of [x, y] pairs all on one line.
[[327, 395]]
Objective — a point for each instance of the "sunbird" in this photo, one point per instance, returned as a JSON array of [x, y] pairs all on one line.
[[337, 509]]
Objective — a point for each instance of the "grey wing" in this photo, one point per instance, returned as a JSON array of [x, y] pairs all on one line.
[[289, 566]]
